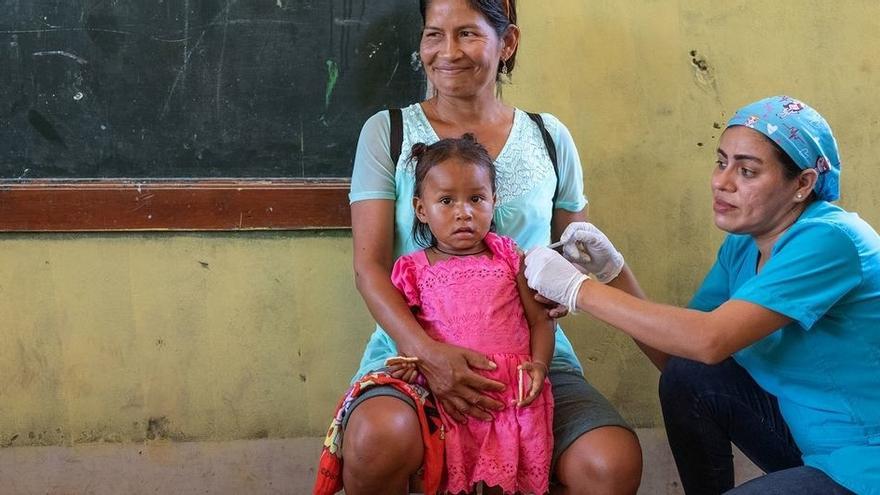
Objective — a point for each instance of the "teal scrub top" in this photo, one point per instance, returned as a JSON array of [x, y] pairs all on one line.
[[525, 185], [824, 367]]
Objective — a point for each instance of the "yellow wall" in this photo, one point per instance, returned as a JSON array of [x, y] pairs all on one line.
[[120, 337], [222, 335], [621, 75]]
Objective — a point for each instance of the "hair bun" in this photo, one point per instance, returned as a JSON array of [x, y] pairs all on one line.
[[417, 151]]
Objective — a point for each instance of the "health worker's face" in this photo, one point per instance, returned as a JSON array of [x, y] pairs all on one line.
[[750, 191], [460, 49], [457, 203]]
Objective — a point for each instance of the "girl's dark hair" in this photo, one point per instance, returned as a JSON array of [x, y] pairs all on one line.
[[496, 12], [426, 157]]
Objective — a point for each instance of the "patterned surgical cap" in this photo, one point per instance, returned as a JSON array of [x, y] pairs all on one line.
[[802, 133]]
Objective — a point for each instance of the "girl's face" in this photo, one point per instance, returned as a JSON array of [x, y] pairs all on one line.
[[457, 203], [751, 193], [460, 49]]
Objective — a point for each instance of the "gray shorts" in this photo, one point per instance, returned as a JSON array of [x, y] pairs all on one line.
[[578, 408]]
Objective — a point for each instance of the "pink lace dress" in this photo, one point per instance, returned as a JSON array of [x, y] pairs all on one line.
[[473, 302]]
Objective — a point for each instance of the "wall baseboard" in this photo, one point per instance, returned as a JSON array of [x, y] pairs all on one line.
[[265, 466]]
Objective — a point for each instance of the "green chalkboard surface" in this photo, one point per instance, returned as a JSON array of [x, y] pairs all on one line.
[[198, 88]]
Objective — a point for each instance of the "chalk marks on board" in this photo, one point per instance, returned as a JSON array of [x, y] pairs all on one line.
[[61, 53], [198, 88], [332, 75]]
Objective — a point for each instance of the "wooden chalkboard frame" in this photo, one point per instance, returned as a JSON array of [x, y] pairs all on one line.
[[173, 205]]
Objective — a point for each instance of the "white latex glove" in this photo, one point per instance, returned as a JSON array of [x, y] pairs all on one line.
[[591, 251], [553, 276]]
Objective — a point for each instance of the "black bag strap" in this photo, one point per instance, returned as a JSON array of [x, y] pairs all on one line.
[[551, 148], [396, 135]]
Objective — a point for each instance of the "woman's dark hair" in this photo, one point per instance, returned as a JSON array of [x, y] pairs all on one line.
[[790, 169], [500, 14], [426, 157]]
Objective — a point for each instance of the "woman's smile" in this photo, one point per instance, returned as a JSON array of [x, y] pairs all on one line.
[[450, 69]]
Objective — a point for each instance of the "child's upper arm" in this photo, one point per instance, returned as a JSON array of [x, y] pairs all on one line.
[[536, 314]]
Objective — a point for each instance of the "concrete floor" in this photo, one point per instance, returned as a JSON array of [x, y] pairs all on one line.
[[282, 466]]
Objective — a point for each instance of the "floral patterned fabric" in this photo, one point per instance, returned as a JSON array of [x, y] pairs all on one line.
[[329, 480]]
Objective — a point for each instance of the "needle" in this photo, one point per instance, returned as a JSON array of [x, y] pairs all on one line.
[[556, 245]]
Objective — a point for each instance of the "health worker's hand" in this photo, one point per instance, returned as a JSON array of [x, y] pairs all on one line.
[[553, 276], [591, 251], [448, 370]]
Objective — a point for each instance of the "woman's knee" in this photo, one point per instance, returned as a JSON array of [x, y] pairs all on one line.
[[604, 460], [382, 432]]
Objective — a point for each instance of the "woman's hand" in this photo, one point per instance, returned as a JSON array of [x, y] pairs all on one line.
[[459, 389], [553, 276], [537, 372], [591, 251]]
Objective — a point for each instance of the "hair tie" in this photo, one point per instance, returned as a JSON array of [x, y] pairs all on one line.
[[417, 151]]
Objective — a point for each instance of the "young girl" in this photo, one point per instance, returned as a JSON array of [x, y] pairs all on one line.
[[467, 288]]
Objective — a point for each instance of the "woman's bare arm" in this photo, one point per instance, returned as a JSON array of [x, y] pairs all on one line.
[[561, 219], [708, 337]]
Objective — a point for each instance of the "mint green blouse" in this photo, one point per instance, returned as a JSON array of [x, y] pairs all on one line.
[[525, 187]]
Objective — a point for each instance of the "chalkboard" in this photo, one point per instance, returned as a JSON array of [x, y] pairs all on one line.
[[198, 88]]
